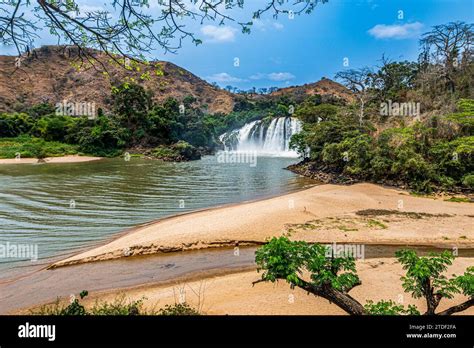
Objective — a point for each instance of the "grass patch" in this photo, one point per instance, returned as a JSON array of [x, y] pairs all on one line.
[[459, 200], [375, 223], [346, 229], [29, 147], [387, 212], [306, 226], [422, 195]]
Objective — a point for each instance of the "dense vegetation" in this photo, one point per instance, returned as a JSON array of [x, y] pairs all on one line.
[[135, 122], [383, 138], [172, 130], [308, 267]]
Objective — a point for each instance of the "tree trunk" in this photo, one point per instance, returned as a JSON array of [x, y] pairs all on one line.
[[432, 301], [459, 308], [343, 300]]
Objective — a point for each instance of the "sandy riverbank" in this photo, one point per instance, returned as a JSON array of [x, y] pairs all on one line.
[[361, 213], [234, 294], [62, 159]]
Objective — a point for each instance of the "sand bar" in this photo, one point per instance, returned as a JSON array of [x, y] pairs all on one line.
[[325, 214]]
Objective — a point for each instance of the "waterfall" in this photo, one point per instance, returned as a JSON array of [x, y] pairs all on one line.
[[266, 139]]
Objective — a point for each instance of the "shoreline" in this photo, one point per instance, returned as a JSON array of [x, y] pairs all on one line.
[[225, 226], [319, 214], [52, 160], [232, 292]]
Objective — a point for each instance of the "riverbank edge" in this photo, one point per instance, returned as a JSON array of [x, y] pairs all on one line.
[[328, 175], [237, 287], [51, 160], [198, 244]]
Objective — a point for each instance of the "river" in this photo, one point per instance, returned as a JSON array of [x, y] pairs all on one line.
[[59, 208]]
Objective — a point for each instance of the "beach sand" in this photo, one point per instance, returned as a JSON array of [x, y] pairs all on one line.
[[234, 293], [324, 214], [62, 159]]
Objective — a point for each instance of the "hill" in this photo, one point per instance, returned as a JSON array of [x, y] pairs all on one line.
[[51, 74], [325, 87]]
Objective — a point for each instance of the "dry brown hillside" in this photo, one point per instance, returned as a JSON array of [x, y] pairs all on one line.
[[324, 87], [50, 75]]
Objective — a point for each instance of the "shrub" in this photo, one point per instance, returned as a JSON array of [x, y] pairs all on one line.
[[181, 151], [178, 309], [120, 306], [54, 128], [13, 125], [468, 181]]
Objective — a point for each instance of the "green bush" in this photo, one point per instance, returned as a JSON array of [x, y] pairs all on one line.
[[468, 181], [120, 306], [311, 113], [53, 127], [178, 309], [181, 151], [13, 125], [29, 147]]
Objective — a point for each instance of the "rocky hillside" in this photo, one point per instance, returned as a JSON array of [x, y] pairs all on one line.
[[325, 87], [51, 75]]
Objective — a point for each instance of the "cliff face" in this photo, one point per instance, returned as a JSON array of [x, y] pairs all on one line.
[[51, 74]]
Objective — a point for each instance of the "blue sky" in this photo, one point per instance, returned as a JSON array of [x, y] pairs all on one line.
[[295, 51]]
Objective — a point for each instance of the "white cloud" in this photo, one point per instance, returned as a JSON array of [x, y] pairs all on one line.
[[280, 76], [263, 25], [278, 26], [224, 77], [258, 76], [396, 31], [218, 33]]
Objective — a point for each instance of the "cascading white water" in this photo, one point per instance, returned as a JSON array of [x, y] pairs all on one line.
[[271, 140]]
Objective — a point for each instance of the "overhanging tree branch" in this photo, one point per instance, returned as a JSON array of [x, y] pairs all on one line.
[[124, 28]]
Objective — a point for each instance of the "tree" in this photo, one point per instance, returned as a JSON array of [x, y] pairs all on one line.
[[424, 278], [446, 48], [124, 28], [310, 113], [309, 267], [131, 104], [393, 79], [331, 278], [358, 81]]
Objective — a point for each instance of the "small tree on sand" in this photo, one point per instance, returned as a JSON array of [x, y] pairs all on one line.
[[308, 267]]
